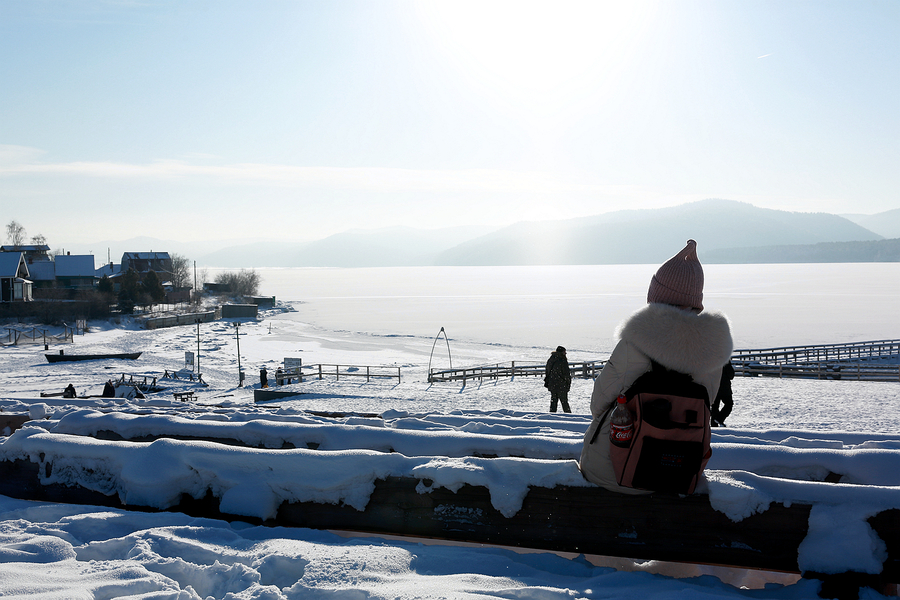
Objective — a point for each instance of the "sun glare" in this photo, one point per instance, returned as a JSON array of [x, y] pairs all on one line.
[[535, 56]]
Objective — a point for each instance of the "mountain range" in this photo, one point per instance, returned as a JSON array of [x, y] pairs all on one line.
[[726, 231]]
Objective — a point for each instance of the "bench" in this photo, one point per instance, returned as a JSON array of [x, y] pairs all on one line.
[[183, 396]]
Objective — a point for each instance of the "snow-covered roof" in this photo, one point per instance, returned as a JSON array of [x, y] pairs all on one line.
[[75, 265], [145, 256], [11, 263], [26, 248], [42, 270], [109, 269]]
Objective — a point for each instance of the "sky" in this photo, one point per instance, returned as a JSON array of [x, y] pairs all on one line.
[[295, 120]]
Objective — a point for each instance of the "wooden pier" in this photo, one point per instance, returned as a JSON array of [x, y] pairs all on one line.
[[857, 361]]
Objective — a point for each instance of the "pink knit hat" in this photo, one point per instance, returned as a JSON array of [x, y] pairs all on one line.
[[679, 281]]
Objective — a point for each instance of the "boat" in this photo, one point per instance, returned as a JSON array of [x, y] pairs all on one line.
[[54, 358]]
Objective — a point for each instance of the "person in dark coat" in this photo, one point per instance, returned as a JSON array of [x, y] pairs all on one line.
[[558, 379], [723, 397], [263, 378], [69, 392], [109, 390]]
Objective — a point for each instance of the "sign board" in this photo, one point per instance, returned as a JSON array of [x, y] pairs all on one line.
[[293, 365], [189, 359]]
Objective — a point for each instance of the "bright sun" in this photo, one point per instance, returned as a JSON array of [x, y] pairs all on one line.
[[537, 56]]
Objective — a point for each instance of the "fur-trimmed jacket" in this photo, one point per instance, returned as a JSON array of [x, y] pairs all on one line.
[[698, 344]]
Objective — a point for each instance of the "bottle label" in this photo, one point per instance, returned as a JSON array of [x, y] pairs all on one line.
[[620, 435]]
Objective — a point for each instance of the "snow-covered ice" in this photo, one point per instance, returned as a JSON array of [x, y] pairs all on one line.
[[785, 437]]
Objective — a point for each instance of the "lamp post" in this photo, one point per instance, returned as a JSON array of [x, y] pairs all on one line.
[[237, 332], [198, 347]]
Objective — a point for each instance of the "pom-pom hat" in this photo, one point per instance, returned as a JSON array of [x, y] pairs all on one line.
[[679, 281]]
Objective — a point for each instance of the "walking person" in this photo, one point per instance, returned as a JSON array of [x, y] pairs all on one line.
[[724, 397], [672, 330], [558, 379]]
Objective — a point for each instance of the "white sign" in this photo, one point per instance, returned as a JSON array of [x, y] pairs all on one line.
[[292, 365], [189, 359]]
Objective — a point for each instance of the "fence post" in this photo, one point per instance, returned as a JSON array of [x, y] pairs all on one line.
[[320, 370], [367, 374]]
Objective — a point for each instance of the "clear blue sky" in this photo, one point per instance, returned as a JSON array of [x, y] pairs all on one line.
[[295, 120]]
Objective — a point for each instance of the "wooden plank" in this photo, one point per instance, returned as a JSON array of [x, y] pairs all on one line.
[[13, 421]]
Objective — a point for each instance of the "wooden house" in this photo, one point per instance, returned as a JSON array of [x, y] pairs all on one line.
[[32, 252], [75, 272], [15, 285], [144, 262]]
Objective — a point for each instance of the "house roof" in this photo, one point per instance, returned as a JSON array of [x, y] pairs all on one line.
[[26, 248], [109, 269], [42, 270], [77, 265], [11, 264], [145, 256]]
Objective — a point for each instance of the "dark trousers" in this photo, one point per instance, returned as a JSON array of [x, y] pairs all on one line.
[[561, 397], [720, 414]]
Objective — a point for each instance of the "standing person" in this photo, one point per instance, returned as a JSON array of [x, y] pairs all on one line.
[[263, 377], [672, 330], [724, 397], [558, 379]]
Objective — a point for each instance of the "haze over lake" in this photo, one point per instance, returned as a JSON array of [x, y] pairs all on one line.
[[580, 306]]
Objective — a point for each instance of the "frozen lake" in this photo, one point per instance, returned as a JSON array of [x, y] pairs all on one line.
[[580, 306]]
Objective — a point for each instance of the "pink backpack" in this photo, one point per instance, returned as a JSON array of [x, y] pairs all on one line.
[[671, 442]]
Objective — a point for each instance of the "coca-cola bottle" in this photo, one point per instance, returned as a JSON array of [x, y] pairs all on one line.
[[621, 424]]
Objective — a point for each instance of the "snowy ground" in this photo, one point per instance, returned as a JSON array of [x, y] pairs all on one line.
[[57, 551]]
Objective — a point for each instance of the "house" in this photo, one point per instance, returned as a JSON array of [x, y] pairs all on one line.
[[14, 283], [144, 262], [33, 252], [75, 272]]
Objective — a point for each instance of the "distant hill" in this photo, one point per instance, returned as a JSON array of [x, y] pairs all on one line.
[[726, 231], [392, 246], [651, 236], [886, 224], [825, 252]]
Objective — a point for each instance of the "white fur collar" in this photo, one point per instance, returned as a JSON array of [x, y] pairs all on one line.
[[678, 339]]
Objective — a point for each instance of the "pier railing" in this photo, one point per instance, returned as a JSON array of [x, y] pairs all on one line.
[[585, 369], [798, 355], [858, 361]]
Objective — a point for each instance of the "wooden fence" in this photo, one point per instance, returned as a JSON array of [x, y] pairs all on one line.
[[585, 369], [369, 372], [38, 336]]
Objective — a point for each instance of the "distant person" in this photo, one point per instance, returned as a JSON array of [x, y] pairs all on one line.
[[263, 378], [109, 390], [558, 379], [69, 392], [672, 330], [724, 397]]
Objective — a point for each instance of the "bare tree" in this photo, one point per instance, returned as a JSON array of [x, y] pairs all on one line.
[[15, 233], [242, 283], [38, 240], [181, 270]]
